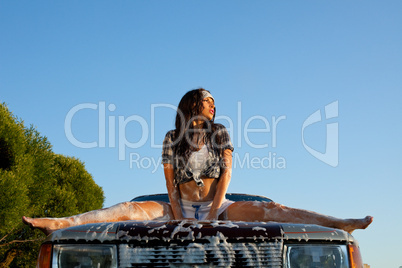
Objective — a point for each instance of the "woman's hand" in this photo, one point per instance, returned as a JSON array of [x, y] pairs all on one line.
[[212, 216], [185, 219], [189, 219]]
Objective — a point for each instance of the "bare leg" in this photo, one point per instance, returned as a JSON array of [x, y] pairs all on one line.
[[121, 212], [261, 211]]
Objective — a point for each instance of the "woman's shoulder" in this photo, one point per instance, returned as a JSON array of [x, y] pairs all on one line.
[[170, 132], [170, 135], [224, 137], [220, 129], [220, 126]]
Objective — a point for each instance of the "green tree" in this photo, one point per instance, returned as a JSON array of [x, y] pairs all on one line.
[[36, 182]]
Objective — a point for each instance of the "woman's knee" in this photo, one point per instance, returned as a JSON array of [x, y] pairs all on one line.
[[274, 205], [126, 205]]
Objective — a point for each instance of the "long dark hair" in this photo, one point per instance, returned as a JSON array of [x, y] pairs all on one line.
[[189, 109]]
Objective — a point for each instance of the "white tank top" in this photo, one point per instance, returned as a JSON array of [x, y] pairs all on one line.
[[197, 160]]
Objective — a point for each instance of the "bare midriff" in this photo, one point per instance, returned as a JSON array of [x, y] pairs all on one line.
[[191, 192]]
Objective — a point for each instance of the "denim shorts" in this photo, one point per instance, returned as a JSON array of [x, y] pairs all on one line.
[[200, 210]]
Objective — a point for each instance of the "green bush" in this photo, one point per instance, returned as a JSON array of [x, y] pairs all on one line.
[[36, 182]]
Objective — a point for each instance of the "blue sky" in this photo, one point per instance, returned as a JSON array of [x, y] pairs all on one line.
[[127, 63]]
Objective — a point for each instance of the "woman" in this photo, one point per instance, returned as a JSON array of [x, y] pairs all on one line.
[[197, 160]]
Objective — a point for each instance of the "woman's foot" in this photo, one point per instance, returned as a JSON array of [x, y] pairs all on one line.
[[46, 225], [353, 224]]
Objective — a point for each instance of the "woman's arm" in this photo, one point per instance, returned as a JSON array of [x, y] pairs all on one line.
[[173, 191], [222, 185]]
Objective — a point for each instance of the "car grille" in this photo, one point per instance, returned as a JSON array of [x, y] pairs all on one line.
[[257, 254]]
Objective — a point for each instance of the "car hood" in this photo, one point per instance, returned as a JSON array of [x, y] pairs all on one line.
[[166, 231]]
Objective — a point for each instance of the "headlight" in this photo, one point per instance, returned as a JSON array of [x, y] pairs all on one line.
[[84, 256], [316, 256]]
